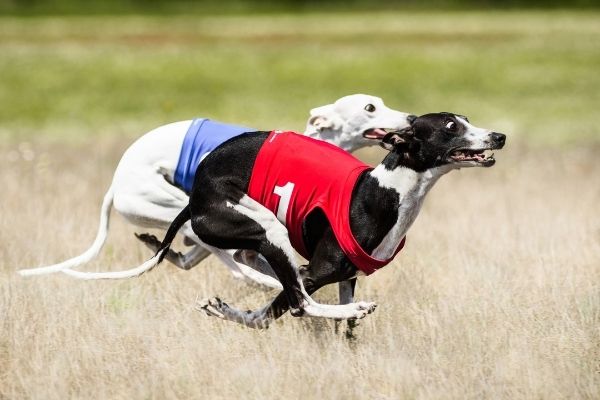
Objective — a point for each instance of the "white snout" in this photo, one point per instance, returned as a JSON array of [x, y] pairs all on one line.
[[479, 138]]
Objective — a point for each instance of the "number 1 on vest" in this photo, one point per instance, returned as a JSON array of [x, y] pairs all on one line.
[[285, 193]]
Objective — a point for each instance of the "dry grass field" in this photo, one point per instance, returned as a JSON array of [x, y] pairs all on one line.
[[496, 295]]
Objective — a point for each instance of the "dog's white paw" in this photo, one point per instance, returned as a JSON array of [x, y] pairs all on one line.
[[212, 307], [367, 305], [363, 309]]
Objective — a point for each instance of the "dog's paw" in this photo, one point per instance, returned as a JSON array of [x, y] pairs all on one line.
[[367, 305], [212, 307], [363, 309]]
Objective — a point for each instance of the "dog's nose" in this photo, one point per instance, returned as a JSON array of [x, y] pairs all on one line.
[[411, 118], [499, 138]]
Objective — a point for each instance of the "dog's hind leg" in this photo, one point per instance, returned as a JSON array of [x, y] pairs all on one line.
[[184, 261], [331, 269], [158, 211], [215, 307], [271, 239]]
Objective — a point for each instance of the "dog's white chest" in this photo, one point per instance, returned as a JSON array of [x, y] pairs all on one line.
[[411, 188]]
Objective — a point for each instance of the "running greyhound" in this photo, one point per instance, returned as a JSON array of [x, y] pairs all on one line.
[[287, 192], [154, 177]]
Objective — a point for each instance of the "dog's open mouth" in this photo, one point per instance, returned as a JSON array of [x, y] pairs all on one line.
[[375, 133], [479, 157]]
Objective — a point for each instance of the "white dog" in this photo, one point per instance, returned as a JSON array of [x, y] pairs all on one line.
[[143, 192]]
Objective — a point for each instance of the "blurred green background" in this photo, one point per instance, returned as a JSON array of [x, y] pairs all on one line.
[[28, 7], [70, 69]]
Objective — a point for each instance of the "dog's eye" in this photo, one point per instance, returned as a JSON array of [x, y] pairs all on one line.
[[370, 108], [451, 125]]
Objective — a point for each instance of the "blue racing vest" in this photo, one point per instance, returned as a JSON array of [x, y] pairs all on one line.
[[202, 137]]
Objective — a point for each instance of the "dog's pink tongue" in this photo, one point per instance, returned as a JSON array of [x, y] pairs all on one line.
[[380, 132], [375, 133]]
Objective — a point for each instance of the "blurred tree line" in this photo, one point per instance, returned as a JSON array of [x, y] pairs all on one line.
[[40, 7]]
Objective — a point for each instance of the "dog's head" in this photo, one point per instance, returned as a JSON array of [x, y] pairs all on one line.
[[355, 121], [444, 139]]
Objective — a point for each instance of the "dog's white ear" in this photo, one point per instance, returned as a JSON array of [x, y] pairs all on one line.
[[320, 122], [323, 118]]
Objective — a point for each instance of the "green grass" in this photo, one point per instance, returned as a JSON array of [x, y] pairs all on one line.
[[531, 74]]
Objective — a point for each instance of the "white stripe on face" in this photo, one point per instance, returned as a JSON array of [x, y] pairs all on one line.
[[478, 138]]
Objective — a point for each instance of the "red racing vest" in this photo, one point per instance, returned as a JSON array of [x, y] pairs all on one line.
[[294, 174]]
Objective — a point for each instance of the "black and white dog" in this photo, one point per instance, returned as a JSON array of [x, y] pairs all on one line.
[[383, 203]]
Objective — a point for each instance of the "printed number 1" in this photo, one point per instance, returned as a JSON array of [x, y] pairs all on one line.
[[285, 192]]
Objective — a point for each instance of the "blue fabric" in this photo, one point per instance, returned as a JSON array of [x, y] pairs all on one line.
[[202, 137]]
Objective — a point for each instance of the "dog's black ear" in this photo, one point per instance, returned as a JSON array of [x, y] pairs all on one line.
[[396, 138]]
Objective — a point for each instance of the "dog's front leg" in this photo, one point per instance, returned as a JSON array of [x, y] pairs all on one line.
[[346, 296], [329, 264], [346, 291]]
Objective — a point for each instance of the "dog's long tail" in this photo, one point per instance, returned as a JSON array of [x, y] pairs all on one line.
[[177, 223], [89, 253]]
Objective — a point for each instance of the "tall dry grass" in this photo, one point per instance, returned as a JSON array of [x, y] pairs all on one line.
[[496, 295]]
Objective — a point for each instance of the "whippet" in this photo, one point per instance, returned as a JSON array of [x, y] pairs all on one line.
[[148, 192], [343, 216]]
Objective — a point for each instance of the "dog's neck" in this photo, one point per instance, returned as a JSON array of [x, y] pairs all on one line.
[[391, 195]]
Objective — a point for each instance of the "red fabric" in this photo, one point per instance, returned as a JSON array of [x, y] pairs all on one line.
[[322, 176]]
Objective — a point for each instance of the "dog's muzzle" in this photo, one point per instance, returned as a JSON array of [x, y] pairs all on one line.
[[479, 157]]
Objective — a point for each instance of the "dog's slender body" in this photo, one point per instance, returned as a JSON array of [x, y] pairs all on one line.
[[384, 203], [144, 193]]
